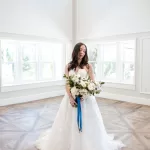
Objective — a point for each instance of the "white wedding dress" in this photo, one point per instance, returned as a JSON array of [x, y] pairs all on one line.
[[64, 133]]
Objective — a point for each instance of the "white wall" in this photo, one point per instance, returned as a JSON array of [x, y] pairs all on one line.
[[100, 18], [47, 18], [114, 20], [35, 19]]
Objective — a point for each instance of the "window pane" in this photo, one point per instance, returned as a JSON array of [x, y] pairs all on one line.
[[47, 70], [92, 52], [28, 52], [46, 51], [29, 71], [109, 70], [128, 72], [9, 50], [129, 44], [128, 55], [94, 66], [128, 49], [59, 61], [109, 52], [8, 73]]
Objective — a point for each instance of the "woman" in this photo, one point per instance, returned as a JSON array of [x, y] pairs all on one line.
[[64, 134]]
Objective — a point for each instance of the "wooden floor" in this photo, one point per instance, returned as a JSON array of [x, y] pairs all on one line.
[[21, 124]]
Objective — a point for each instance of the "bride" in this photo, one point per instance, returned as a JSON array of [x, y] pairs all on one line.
[[64, 134]]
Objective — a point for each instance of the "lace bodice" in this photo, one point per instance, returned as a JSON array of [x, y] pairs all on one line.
[[82, 72]]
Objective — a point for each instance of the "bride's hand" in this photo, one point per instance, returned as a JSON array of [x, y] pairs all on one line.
[[72, 102], [82, 98]]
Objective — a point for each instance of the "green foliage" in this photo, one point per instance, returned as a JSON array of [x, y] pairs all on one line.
[[110, 68], [26, 65], [8, 56]]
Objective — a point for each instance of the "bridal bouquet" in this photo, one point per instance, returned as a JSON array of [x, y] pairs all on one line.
[[82, 87]]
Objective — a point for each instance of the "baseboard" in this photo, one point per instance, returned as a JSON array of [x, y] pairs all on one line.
[[125, 98], [22, 99]]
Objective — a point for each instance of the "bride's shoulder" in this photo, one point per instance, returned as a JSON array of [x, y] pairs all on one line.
[[67, 66], [67, 69], [88, 66]]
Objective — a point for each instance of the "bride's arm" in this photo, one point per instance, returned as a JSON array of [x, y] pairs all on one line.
[[67, 87], [90, 71], [72, 101]]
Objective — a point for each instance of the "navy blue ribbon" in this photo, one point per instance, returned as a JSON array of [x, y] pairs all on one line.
[[79, 113]]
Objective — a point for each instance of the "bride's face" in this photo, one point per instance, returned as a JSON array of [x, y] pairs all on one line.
[[82, 51]]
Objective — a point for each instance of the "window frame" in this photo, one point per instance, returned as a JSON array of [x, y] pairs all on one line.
[[17, 85], [114, 83]]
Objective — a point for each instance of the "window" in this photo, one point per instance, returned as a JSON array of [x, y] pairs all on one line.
[[128, 61], [108, 61], [31, 62], [113, 61], [93, 55]]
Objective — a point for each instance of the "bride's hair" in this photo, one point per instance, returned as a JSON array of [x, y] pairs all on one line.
[[74, 63]]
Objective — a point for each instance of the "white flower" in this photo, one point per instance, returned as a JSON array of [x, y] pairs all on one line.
[[83, 84], [91, 86], [83, 92], [76, 78], [74, 91], [84, 78], [97, 84]]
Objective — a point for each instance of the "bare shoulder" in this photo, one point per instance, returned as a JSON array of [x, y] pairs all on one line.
[[67, 66], [66, 69], [88, 66]]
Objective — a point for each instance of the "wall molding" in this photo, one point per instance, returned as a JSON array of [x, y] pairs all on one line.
[[125, 98], [111, 38], [141, 64], [23, 99], [37, 84], [15, 36], [119, 86], [119, 97]]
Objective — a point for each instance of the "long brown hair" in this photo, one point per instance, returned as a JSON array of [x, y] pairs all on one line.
[[74, 63]]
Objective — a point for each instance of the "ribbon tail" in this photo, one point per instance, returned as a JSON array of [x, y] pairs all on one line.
[[80, 118], [79, 114]]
